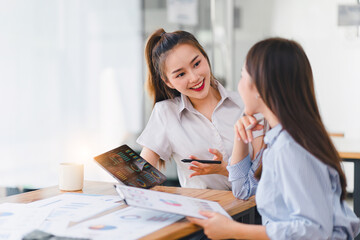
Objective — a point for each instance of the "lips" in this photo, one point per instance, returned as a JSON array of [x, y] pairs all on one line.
[[198, 87]]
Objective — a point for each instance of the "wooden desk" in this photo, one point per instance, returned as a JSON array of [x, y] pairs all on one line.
[[349, 151], [237, 208]]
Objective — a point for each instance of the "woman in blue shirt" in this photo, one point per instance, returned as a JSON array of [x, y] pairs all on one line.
[[302, 187]]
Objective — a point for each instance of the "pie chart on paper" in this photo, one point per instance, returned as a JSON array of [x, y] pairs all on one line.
[[170, 202], [102, 227], [5, 214]]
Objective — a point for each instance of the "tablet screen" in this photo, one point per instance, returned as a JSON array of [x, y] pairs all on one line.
[[125, 165]]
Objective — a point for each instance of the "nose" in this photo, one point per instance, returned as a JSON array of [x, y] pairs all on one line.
[[194, 77]]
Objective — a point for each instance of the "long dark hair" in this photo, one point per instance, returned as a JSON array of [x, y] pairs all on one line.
[[283, 77], [157, 46]]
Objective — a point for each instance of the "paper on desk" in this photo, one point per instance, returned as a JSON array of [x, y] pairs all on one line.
[[168, 202], [16, 220], [72, 207], [76, 206], [128, 223]]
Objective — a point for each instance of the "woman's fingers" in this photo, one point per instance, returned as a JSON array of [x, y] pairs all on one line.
[[241, 130], [198, 164], [207, 214], [252, 122], [197, 170], [195, 174], [199, 221], [217, 154], [203, 168], [194, 168], [258, 127], [237, 134], [240, 127], [196, 221]]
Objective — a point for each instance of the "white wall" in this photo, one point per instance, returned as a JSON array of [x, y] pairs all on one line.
[[333, 51]]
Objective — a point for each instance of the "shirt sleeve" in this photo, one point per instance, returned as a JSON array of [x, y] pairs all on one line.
[[306, 194], [155, 135], [241, 176]]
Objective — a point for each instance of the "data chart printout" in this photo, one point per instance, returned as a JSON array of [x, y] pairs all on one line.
[[128, 223], [167, 202], [126, 166]]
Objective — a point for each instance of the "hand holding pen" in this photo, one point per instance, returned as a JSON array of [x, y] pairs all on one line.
[[244, 127]]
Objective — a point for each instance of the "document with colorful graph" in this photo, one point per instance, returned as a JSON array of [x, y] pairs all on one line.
[[125, 165], [128, 223], [167, 202]]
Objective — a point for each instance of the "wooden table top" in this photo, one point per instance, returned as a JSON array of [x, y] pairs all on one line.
[[347, 148], [176, 230]]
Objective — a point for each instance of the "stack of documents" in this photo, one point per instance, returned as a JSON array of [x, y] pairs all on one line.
[[72, 215]]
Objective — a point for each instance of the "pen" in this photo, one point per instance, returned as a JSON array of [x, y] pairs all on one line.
[[251, 126]]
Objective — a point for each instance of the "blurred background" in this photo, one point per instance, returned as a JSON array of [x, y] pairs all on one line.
[[72, 73]]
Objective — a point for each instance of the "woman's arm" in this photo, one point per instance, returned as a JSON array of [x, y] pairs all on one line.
[[241, 168], [218, 226], [150, 156]]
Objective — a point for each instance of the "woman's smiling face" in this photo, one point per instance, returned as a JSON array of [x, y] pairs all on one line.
[[187, 71]]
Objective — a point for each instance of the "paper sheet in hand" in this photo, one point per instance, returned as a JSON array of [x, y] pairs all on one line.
[[168, 202]]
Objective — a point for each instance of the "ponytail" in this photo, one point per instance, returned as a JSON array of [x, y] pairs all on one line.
[[155, 85]]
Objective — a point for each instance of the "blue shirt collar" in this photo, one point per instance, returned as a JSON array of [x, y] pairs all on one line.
[[272, 134]]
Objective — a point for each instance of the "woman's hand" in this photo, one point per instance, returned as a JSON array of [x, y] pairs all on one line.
[[242, 137], [240, 128], [204, 169], [216, 226]]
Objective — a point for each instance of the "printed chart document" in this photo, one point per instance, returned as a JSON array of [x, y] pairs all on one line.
[[54, 215], [128, 223], [72, 207], [168, 202], [17, 219]]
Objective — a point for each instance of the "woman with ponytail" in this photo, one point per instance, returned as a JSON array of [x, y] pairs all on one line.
[[302, 187], [193, 114]]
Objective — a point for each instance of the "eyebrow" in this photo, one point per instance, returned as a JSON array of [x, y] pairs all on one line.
[[177, 70]]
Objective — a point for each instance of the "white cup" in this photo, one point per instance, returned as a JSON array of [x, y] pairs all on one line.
[[71, 176]]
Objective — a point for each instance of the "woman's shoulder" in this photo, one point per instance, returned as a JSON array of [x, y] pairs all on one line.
[[292, 153]]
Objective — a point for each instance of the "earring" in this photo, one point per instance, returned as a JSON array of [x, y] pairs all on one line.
[[257, 96]]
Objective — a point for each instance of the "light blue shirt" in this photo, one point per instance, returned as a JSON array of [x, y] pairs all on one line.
[[241, 176], [298, 196]]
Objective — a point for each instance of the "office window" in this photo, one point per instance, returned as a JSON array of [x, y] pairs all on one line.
[[71, 85]]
